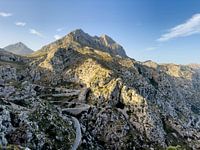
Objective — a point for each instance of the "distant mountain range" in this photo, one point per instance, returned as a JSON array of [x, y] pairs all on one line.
[[18, 48]]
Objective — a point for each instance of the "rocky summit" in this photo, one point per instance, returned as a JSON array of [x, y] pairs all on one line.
[[18, 48], [84, 92]]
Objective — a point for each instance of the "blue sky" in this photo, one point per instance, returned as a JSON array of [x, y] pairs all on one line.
[[160, 30]]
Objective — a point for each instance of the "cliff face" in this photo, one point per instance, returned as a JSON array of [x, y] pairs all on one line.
[[112, 101]]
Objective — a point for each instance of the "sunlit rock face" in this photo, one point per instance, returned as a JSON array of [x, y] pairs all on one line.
[[98, 98]]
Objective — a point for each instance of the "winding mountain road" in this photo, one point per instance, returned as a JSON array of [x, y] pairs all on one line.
[[78, 134], [79, 108]]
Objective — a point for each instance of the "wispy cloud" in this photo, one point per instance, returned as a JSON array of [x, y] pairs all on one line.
[[5, 14], [190, 27], [57, 37], [35, 32], [22, 24]]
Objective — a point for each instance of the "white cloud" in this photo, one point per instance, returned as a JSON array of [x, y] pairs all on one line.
[[35, 32], [5, 14], [57, 37], [190, 27], [22, 24]]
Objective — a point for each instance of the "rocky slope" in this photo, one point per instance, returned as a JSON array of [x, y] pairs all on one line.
[[95, 97], [19, 49]]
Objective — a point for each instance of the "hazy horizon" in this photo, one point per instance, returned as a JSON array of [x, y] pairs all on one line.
[[161, 31]]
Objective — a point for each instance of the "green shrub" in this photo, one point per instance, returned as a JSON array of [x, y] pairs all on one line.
[[178, 147]]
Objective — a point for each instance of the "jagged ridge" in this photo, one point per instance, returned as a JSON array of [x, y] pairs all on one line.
[[82, 39]]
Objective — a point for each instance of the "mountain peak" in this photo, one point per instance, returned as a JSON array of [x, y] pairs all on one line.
[[19, 43], [78, 31], [78, 34], [79, 37], [18, 48], [103, 43]]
